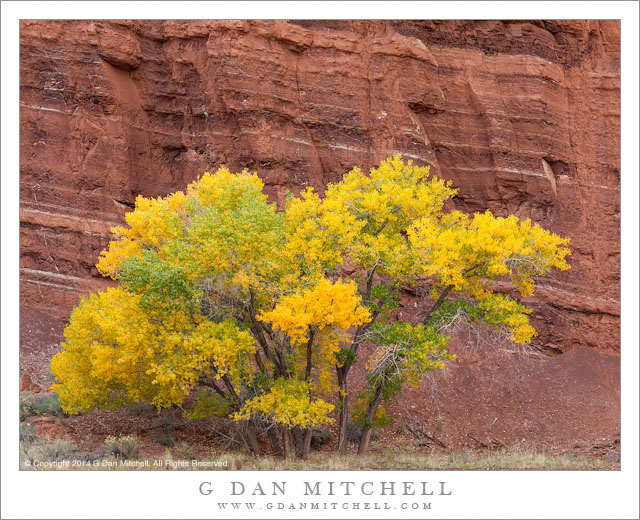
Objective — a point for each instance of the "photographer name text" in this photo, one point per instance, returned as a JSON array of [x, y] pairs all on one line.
[[328, 488]]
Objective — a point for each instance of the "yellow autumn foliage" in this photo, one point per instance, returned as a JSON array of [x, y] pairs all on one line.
[[288, 403], [326, 305], [116, 353], [262, 307]]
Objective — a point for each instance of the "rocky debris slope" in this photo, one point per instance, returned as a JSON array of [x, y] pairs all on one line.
[[522, 116]]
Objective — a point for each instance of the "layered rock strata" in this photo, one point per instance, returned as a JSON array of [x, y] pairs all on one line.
[[522, 116]]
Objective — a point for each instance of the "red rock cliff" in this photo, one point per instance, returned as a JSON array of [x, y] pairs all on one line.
[[524, 117]]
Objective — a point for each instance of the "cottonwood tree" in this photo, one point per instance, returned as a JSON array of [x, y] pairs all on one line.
[[213, 303], [393, 227], [259, 315]]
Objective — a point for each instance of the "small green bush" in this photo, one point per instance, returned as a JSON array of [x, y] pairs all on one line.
[[57, 450], [27, 405], [183, 450], [35, 448], [165, 429], [123, 447], [141, 408], [164, 439], [89, 442], [33, 405], [27, 433], [320, 436]]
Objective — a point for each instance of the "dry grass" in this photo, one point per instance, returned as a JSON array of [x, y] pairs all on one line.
[[518, 459], [515, 459]]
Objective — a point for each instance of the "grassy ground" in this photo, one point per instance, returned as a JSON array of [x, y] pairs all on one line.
[[392, 459], [122, 454], [128, 452]]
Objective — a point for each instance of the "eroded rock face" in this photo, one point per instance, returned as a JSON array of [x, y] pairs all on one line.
[[523, 117]]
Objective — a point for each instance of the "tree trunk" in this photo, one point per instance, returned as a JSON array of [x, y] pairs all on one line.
[[251, 440], [343, 371], [344, 411], [287, 441], [275, 442], [298, 440], [365, 437], [306, 445]]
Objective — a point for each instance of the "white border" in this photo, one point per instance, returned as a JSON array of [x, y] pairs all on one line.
[[174, 494]]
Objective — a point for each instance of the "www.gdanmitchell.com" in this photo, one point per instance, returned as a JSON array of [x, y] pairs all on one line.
[[324, 505]]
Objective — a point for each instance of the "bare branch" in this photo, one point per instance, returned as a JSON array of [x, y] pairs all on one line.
[[210, 384], [438, 303]]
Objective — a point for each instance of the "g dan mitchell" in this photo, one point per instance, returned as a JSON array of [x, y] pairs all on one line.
[[328, 488]]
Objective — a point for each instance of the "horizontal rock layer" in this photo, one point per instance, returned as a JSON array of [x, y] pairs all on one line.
[[522, 116]]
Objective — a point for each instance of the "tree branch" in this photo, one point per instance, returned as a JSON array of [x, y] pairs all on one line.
[[361, 330], [257, 332], [445, 293], [229, 385], [259, 336], [438, 303], [307, 372], [367, 296], [367, 293], [210, 384]]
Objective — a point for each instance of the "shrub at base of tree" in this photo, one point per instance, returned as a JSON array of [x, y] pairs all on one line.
[[247, 311]]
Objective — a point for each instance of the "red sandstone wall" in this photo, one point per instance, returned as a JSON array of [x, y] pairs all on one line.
[[524, 117]]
